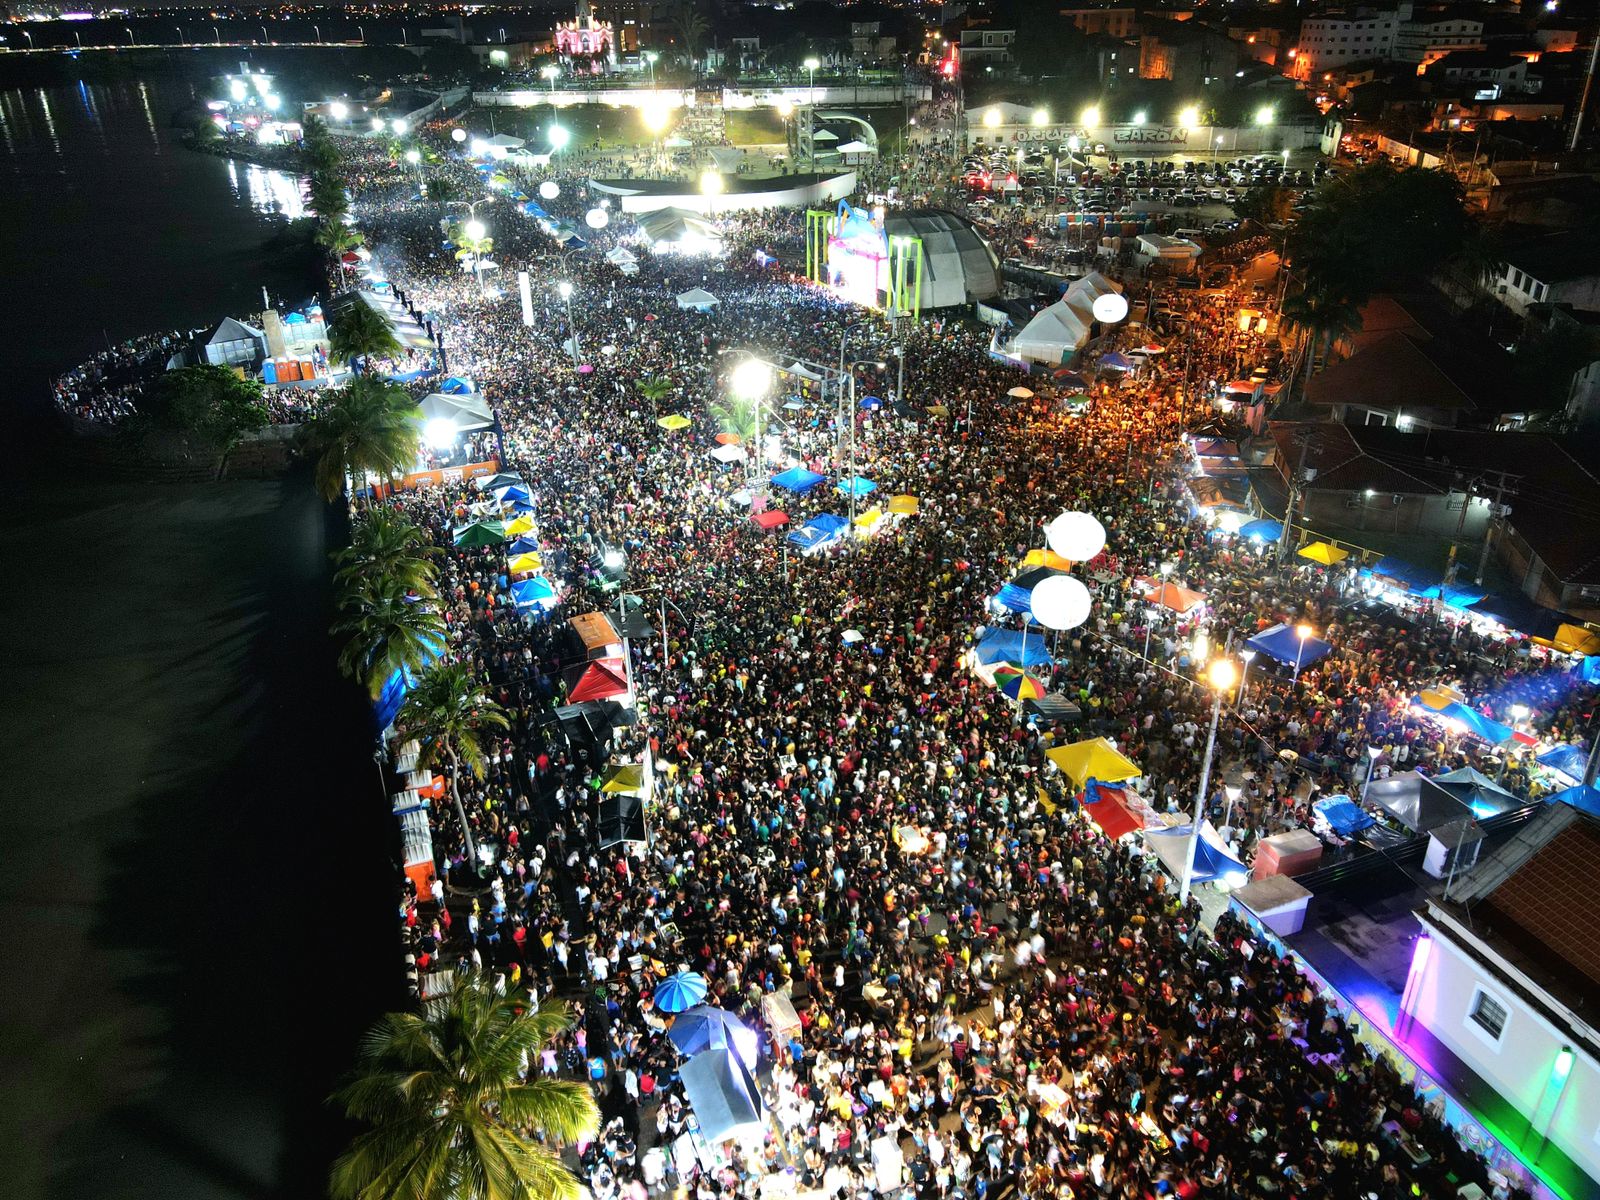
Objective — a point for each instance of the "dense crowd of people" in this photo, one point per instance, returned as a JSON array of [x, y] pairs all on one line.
[[1011, 998]]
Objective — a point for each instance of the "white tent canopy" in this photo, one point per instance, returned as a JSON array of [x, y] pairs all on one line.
[[857, 147], [1054, 335], [729, 454], [466, 412], [506, 142], [697, 298], [1167, 247]]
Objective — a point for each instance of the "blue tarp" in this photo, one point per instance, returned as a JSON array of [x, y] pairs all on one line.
[[1210, 860], [723, 1095], [821, 529], [798, 479], [1584, 799], [1343, 815], [1418, 579], [534, 592], [1570, 760], [856, 484], [1283, 643], [871, 403], [393, 695], [456, 386], [1262, 530], [1588, 669], [1477, 791], [1117, 362], [1460, 595], [1014, 645], [510, 493], [1487, 728]]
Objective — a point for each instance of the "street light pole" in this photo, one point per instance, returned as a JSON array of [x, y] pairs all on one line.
[[1221, 676], [565, 289], [1246, 656], [1302, 632]]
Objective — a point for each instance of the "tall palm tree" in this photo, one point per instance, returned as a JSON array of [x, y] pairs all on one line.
[[328, 197], [1320, 317], [387, 545], [359, 331], [336, 237], [386, 629], [654, 388], [368, 427], [451, 1117], [442, 189], [446, 712], [691, 26], [736, 416]]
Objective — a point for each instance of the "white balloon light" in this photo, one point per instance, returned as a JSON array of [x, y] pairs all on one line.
[[1110, 308], [1076, 536], [596, 218], [549, 189], [1060, 602]]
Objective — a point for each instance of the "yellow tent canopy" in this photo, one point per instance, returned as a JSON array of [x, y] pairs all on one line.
[[905, 505], [868, 519], [674, 422], [1440, 697], [1093, 758], [628, 777], [1322, 552], [520, 526], [1573, 639], [938, 410], [1039, 557], [525, 564]]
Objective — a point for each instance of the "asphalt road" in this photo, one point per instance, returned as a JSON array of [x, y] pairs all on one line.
[[195, 871]]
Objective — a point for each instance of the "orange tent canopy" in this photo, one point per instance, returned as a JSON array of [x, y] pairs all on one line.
[[603, 679], [1174, 596]]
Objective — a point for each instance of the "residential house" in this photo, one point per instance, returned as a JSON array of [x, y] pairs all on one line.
[[1120, 21], [1430, 35], [1485, 69], [1556, 268], [1190, 54]]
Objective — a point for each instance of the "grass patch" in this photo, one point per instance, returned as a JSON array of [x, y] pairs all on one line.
[[755, 127], [593, 126]]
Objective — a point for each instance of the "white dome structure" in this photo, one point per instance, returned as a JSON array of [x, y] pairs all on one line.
[[958, 265]]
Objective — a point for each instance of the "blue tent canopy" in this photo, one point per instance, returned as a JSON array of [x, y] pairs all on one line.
[[455, 385], [821, 529], [722, 1093], [1343, 815], [523, 545], [1583, 798], [534, 592], [1015, 599], [1570, 760], [510, 493], [1418, 579], [1588, 668], [1283, 643], [797, 479], [1117, 362], [1072, 380], [1262, 530], [1487, 728], [871, 403], [1517, 612], [1477, 791], [387, 706], [1458, 595], [704, 1027], [1013, 645], [857, 484], [1211, 862]]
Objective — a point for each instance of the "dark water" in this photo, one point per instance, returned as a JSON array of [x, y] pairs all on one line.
[[112, 228], [195, 860]]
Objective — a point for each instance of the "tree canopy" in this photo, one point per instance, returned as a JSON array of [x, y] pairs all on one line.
[[209, 402]]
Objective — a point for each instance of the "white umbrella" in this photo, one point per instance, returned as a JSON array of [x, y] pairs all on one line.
[[822, 135], [856, 147]]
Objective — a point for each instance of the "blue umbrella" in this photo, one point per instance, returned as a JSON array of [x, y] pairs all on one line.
[[706, 1028], [871, 403], [680, 992]]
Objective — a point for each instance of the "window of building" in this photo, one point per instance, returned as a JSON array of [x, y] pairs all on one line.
[[1488, 1015]]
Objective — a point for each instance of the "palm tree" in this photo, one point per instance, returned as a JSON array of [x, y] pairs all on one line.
[[446, 711], [359, 331], [387, 629], [367, 428], [655, 388], [1320, 316], [387, 545], [328, 197], [336, 237], [691, 27], [736, 416], [442, 189], [451, 1117]]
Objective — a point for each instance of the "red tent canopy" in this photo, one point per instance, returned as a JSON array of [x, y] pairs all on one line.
[[771, 519], [603, 679], [1112, 815]]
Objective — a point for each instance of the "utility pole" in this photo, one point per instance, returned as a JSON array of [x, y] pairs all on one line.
[[1496, 514], [1306, 440], [1454, 564], [1588, 89]]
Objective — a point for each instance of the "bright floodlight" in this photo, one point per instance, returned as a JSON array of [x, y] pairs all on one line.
[[458, 135], [1139, 117], [273, 102], [711, 183], [1223, 674], [413, 157], [751, 379], [785, 109], [439, 432], [549, 189], [475, 229], [560, 135], [1091, 116], [1189, 118], [550, 72], [1264, 115], [400, 128], [1041, 116], [479, 147], [238, 89], [1303, 631], [613, 560], [991, 118], [377, 124], [338, 110], [564, 289], [656, 118], [811, 64]]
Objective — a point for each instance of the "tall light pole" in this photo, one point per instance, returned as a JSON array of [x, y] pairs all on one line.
[[850, 376], [552, 74], [414, 157], [1302, 632], [811, 65], [564, 290], [751, 381], [1221, 676], [1374, 753], [1247, 656], [650, 57], [475, 230]]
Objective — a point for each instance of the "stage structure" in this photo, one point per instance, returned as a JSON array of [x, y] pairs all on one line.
[[851, 252]]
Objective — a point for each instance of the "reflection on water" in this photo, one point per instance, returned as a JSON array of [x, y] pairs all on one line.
[[276, 193]]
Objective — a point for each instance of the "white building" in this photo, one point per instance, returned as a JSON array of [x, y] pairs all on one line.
[[1429, 36], [1507, 978], [1338, 39]]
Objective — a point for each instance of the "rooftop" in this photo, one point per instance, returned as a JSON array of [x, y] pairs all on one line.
[[1399, 371], [1570, 254]]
